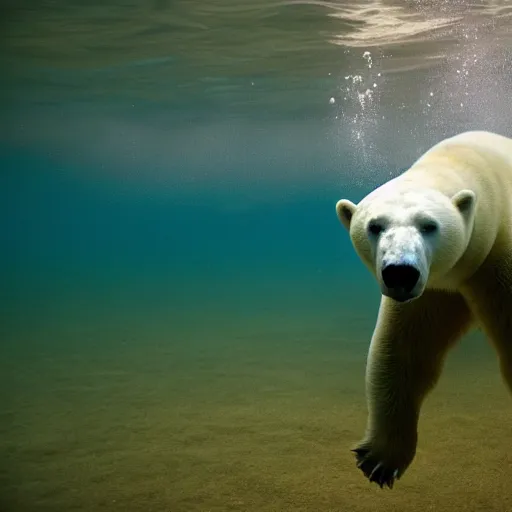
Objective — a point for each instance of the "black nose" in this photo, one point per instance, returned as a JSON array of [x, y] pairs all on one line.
[[403, 277]]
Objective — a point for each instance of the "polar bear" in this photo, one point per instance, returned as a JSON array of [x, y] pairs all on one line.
[[438, 239]]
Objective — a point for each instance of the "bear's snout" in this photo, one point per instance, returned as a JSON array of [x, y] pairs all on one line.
[[402, 277]]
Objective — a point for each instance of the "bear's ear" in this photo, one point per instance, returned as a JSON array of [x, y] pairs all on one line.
[[345, 210], [465, 201]]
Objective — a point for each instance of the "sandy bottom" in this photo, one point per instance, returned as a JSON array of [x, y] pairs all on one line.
[[242, 423]]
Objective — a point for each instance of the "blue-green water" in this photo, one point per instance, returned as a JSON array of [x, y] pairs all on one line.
[[184, 322], [83, 242]]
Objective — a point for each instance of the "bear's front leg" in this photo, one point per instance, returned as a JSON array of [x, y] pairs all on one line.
[[406, 356]]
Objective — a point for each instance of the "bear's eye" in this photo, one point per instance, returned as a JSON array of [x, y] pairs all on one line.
[[375, 229], [428, 228]]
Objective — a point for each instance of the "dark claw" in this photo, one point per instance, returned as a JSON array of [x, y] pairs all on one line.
[[366, 467], [375, 471], [377, 475]]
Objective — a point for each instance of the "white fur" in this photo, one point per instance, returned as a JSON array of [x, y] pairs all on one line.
[[447, 220]]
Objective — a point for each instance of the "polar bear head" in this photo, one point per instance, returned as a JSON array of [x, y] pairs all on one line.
[[409, 237]]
